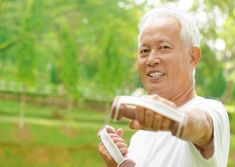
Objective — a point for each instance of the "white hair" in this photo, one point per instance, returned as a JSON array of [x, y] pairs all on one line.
[[189, 32]]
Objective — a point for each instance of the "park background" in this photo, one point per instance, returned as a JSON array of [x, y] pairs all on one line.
[[63, 61]]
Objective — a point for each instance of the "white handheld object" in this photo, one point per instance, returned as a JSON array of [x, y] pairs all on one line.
[[113, 150], [152, 105]]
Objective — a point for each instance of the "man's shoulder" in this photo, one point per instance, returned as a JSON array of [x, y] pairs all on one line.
[[213, 106], [199, 100], [205, 103], [213, 102]]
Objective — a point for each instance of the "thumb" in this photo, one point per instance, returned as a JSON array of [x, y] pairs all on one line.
[[120, 132], [134, 124]]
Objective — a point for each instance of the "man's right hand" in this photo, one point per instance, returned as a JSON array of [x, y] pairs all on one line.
[[116, 136]]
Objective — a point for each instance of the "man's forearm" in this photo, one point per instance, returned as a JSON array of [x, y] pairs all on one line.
[[198, 127]]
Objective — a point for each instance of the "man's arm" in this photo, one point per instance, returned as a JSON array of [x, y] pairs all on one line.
[[197, 126]]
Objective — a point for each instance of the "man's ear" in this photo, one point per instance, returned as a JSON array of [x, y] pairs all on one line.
[[195, 55]]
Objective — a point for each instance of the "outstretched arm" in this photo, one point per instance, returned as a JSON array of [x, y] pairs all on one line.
[[198, 128], [197, 125]]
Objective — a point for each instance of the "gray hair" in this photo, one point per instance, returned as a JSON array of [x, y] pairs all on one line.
[[189, 32]]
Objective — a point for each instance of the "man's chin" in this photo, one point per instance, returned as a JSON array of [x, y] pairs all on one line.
[[152, 90]]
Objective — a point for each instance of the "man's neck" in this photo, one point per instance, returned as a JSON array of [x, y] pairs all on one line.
[[185, 96]]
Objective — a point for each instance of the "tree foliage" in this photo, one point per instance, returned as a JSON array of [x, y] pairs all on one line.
[[90, 46]]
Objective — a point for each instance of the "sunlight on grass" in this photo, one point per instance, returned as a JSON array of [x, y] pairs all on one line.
[[69, 140]]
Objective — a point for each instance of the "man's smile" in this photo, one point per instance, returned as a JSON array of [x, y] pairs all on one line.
[[155, 74]]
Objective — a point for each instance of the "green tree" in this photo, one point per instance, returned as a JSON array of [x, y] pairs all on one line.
[[68, 64], [26, 49], [209, 75]]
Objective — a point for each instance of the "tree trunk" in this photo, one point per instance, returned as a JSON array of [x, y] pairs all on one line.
[[69, 103], [22, 108], [107, 113], [228, 92]]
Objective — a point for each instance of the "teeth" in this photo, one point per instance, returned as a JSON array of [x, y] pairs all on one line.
[[156, 74]]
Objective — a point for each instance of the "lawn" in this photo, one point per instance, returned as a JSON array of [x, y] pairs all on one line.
[[49, 138], [55, 138]]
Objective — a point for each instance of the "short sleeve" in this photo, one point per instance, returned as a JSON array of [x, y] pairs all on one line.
[[221, 135]]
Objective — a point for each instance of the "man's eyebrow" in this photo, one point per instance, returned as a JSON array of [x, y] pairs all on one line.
[[159, 41], [163, 40], [143, 45]]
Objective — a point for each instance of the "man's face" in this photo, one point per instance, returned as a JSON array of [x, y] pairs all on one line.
[[163, 59]]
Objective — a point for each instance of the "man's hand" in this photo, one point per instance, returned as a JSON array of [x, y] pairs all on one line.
[[148, 120], [116, 136]]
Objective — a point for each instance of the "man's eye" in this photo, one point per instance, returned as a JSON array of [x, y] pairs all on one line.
[[144, 51], [164, 47]]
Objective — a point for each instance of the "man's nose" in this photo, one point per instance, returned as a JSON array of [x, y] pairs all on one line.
[[153, 59]]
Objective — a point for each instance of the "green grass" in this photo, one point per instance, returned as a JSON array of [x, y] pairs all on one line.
[[67, 139], [38, 145], [231, 161], [53, 137]]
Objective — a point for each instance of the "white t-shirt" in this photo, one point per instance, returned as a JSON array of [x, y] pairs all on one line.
[[161, 149]]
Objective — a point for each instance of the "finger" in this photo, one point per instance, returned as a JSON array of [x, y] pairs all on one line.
[[121, 145], [118, 139], [165, 124], [140, 114], [173, 127], [102, 150], [128, 111], [123, 151], [106, 156], [157, 121], [110, 129], [148, 119], [113, 135], [134, 124], [99, 146], [120, 132]]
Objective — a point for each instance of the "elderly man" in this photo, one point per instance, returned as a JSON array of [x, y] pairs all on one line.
[[168, 55]]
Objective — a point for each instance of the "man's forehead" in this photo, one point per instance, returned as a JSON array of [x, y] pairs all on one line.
[[144, 42], [161, 21], [159, 35], [169, 24]]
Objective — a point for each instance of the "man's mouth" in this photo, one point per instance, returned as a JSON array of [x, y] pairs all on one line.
[[156, 75]]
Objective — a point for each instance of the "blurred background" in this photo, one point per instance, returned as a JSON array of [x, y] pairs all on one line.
[[63, 61]]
